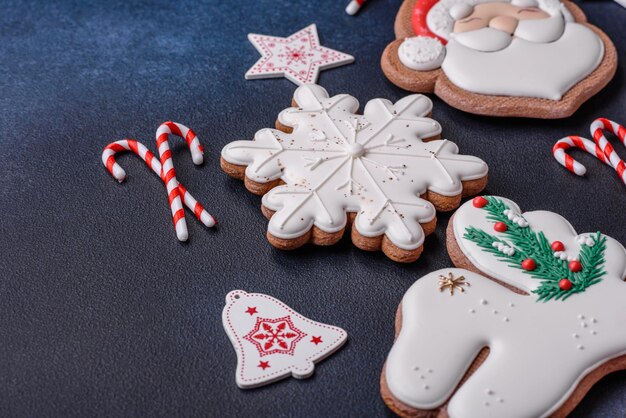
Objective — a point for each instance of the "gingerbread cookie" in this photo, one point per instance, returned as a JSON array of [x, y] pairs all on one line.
[[530, 321], [526, 58], [327, 170]]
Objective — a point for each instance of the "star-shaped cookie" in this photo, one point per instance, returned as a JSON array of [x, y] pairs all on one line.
[[299, 57]]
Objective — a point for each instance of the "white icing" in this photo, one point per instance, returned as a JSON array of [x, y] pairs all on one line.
[[562, 255], [421, 53], [441, 23], [516, 218], [503, 248], [381, 179], [554, 227], [309, 343], [586, 240], [541, 30], [524, 3], [524, 68], [460, 11], [444, 334], [485, 39]]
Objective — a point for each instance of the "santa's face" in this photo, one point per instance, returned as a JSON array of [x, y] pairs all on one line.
[[518, 49], [490, 27]]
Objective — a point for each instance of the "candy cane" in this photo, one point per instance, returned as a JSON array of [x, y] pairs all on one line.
[[601, 149], [354, 6], [108, 159], [575, 141], [168, 173], [596, 129], [145, 154]]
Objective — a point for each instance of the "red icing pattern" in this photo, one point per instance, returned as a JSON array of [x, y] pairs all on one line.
[[418, 19]]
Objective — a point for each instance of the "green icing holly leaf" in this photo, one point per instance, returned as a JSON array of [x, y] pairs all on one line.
[[529, 244]]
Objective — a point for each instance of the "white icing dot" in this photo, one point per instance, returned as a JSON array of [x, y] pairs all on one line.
[[580, 347], [495, 312], [593, 332], [422, 377], [430, 370], [505, 319], [505, 249], [421, 53], [581, 316], [486, 403], [594, 320], [472, 310], [489, 392], [415, 368], [483, 301], [426, 387], [575, 335], [583, 325], [512, 305], [500, 400]]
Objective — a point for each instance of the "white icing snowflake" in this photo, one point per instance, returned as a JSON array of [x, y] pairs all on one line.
[[336, 161]]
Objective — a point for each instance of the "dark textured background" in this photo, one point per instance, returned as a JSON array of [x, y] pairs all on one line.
[[104, 312]]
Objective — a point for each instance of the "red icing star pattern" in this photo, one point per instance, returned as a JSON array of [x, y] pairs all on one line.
[[275, 336], [316, 340], [264, 364], [251, 310], [299, 57]]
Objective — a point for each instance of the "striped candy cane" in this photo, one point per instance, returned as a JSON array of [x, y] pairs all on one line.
[[108, 159], [354, 6], [601, 148], [575, 141], [145, 154], [597, 128]]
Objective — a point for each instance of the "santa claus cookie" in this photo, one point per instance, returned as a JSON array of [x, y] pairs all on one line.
[[327, 170], [528, 58], [530, 320]]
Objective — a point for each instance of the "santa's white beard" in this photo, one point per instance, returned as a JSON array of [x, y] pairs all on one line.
[[525, 68]]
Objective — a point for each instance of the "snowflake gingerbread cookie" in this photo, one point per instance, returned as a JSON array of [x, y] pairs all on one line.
[[380, 175], [536, 318], [528, 58], [273, 341]]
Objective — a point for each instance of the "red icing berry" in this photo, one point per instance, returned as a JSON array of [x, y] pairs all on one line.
[[557, 246], [480, 202], [500, 227], [529, 264], [565, 284], [575, 266]]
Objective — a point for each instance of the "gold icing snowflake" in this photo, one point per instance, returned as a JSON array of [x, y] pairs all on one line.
[[451, 283]]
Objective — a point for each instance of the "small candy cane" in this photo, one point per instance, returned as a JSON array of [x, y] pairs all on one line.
[[168, 173], [118, 172], [108, 159], [596, 128], [601, 149], [354, 6]]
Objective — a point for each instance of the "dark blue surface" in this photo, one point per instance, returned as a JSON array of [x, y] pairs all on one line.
[[103, 312]]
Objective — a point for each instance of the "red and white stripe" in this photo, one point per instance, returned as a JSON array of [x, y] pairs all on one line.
[[108, 159], [597, 128], [601, 148], [354, 6], [575, 141]]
